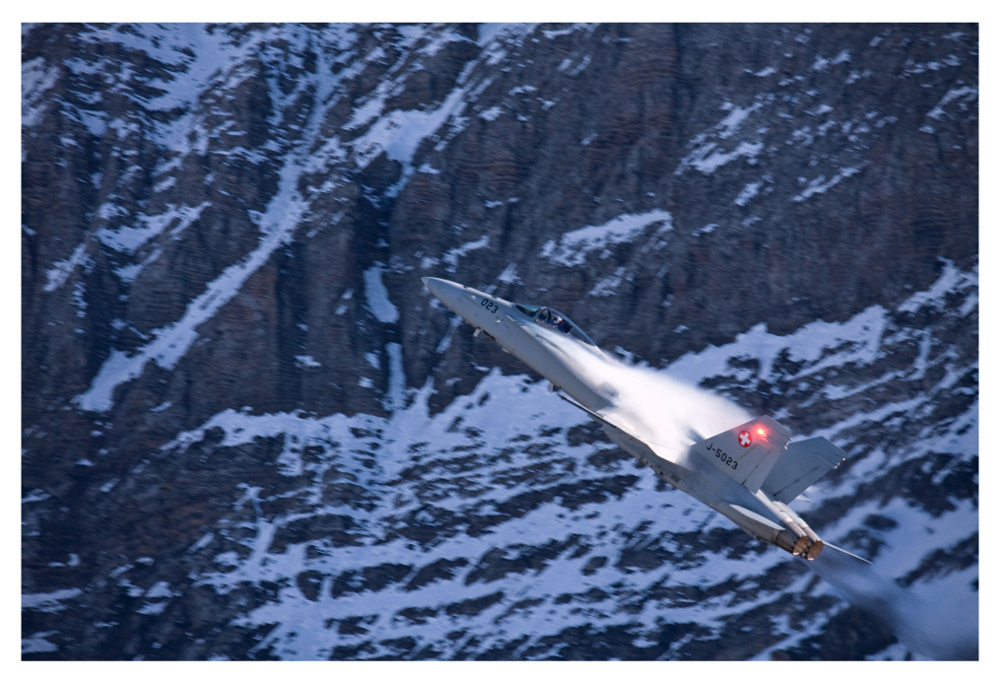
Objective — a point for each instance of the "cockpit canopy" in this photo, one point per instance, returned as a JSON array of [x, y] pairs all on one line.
[[555, 320]]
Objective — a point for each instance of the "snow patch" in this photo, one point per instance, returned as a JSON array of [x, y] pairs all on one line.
[[128, 240], [378, 297], [609, 285], [965, 93], [509, 275], [37, 78], [171, 342], [821, 184], [452, 256], [748, 192], [708, 158], [49, 602], [574, 247], [60, 271]]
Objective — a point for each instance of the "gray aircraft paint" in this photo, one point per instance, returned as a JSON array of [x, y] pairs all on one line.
[[706, 468]]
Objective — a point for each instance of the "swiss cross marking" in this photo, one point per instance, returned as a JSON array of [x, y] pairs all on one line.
[[745, 439]]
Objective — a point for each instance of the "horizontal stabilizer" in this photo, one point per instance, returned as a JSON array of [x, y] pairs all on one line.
[[841, 550], [798, 468], [745, 453]]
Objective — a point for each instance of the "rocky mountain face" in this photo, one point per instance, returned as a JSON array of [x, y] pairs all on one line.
[[248, 432]]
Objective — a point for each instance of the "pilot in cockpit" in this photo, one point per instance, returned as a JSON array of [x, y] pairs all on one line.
[[551, 319]]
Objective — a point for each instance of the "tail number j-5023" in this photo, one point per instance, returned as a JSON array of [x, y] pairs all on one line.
[[723, 456], [489, 306]]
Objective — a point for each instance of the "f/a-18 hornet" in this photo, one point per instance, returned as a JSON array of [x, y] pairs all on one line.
[[749, 473]]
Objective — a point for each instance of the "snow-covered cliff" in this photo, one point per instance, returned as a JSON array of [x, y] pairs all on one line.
[[248, 432]]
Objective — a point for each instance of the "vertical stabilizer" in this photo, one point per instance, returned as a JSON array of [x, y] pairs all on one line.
[[745, 453]]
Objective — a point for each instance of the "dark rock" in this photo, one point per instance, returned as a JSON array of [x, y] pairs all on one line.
[[220, 207]]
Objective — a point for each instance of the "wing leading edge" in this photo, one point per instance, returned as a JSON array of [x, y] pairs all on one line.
[[612, 427]]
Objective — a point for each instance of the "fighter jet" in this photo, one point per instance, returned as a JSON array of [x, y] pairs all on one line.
[[749, 472]]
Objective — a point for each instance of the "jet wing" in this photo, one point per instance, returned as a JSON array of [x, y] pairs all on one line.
[[614, 427]]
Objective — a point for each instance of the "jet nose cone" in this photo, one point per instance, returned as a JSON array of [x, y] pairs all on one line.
[[435, 285], [448, 293]]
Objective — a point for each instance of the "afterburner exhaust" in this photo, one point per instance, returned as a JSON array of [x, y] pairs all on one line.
[[803, 546], [794, 542]]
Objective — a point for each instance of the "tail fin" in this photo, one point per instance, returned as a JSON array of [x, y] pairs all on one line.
[[746, 453], [800, 466]]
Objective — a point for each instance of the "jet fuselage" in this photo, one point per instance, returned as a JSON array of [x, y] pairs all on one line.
[[555, 348]]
